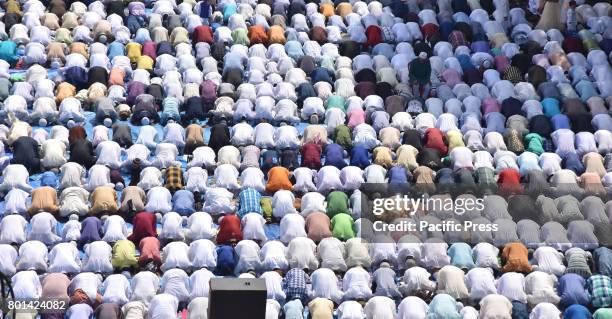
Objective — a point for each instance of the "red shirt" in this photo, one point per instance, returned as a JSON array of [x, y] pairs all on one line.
[[229, 230], [311, 155], [430, 30], [509, 182], [572, 44], [149, 250], [374, 34], [145, 225], [203, 33], [434, 138]]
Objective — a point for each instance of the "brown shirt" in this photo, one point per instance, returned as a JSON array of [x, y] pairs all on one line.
[[103, 199], [44, 199], [55, 286], [516, 257], [76, 133], [194, 133], [318, 226], [134, 194], [80, 48]]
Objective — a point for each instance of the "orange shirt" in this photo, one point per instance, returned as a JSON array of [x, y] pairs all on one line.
[[327, 9], [278, 178], [276, 34], [116, 76], [257, 34], [516, 257]]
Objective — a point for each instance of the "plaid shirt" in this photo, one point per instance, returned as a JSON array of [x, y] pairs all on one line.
[[174, 178], [485, 176], [295, 284], [388, 34], [600, 290], [457, 38], [249, 202]]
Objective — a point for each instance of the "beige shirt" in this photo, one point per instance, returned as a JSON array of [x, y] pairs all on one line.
[[407, 156], [594, 163], [389, 137], [103, 199], [134, 194], [382, 156], [321, 308], [315, 134]]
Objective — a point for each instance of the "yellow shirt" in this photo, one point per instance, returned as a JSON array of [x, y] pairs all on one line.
[[124, 254], [145, 62], [454, 138], [13, 7], [134, 51]]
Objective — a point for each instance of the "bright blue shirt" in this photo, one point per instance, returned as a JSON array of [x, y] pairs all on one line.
[[334, 155], [226, 260], [398, 174], [550, 107], [359, 157], [115, 49], [577, 312]]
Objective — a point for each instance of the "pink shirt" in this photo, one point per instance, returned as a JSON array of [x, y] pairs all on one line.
[[356, 117], [501, 63], [490, 105], [451, 77]]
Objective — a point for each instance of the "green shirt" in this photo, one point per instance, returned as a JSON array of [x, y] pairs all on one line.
[[266, 206], [240, 37], [342, 226], [342, 136], [337, 203]]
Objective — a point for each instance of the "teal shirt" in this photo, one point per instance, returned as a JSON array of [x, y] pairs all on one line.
[[443, 306], [461, 255], [419, 71]]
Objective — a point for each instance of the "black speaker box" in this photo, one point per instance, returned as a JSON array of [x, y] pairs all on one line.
[[237, 298]]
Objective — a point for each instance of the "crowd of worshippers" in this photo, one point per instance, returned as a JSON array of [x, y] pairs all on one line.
[[147, 147]]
